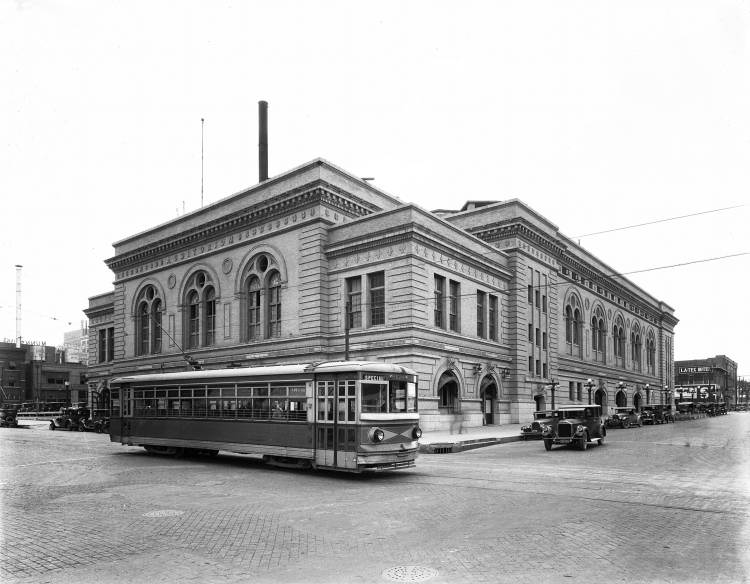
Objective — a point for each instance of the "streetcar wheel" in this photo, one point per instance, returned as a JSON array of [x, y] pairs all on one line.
[[547, 444]]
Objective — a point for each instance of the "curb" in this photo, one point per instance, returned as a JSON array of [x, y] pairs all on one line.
[[452, 447]]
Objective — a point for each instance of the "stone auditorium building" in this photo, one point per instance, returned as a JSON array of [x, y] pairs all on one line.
[[498, 312]]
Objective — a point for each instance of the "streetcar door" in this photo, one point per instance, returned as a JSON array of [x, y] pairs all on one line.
[[335, 421]]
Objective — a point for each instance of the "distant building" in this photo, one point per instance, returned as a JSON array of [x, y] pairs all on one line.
[[76, 345], [498, 312], [40, 374], [710, 379]]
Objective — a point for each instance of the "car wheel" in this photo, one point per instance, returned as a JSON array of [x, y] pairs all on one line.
[[626, 424], [547, 444], [51, 425]]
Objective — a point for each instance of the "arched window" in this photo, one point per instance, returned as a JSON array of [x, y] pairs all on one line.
[[636, 348], [598, 335], [448, 392], [148, 322], [573, 325], [618, 341], [200, 311], [253, 309], [193, 328], [209, 311], [273, 294], [651, 353]]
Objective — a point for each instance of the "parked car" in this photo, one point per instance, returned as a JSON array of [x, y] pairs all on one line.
[[624, 418], [534, 430], [575, 425], [662, 414], [8, 415], [648, 415], [69, 418]]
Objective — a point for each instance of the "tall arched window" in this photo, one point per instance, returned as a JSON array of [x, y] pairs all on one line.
[[618, 341], [573, 325], [274, 304], [209, 311], [148, 322], [193, 306], [651, 353], [636, 348], [598, 335], [253, 309], [200, 311]]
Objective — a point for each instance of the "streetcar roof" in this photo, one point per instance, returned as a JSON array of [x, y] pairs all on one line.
[[273, 370]]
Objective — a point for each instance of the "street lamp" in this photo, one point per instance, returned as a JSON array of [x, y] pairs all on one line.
[[589, 385], [553, 384], [648, 393]]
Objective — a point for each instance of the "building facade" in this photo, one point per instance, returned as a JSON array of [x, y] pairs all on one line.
[[497, 311], [703, 380], [40, 374], [76, 345]]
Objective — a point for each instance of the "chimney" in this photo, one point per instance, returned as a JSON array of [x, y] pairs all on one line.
[[262, 141], [18, 306]]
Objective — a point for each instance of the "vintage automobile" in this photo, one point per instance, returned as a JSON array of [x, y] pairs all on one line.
[[534, 430], [98, 422], [69, 418], [623, 418], [8, 416], [575, 426], [662, 414], [721, 408], [648, 416]]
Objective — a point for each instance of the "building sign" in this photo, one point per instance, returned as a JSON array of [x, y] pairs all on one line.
[[695, 369], [695, 392]]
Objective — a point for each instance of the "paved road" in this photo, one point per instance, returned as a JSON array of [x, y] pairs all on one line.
[[663, 504]]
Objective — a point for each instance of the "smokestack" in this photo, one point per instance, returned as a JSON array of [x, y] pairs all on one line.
[[262, 141], [18, 306]]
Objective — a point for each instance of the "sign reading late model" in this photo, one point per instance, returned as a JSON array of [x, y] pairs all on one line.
[[695, 369]]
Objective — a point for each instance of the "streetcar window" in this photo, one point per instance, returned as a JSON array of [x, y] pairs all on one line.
[[374, 397]]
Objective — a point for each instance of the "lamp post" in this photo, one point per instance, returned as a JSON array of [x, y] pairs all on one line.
[[648, 394], [589, 385], [553, 384]]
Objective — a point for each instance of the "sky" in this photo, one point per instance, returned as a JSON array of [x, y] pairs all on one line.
[[598, 114]]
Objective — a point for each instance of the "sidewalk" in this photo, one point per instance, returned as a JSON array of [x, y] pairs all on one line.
[[443, 441]]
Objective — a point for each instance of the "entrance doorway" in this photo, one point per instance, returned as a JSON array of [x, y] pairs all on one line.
[[637, 402], [621, 399], [488, 393], [600, 398], [540, 403]]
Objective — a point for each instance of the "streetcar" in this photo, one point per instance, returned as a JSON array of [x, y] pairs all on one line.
[[350, 416]]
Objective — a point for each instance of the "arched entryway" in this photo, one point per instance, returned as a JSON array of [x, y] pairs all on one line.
[[600, 398], [488, 394], [448, 393], [621, 399], [540, 403], [637, 402]]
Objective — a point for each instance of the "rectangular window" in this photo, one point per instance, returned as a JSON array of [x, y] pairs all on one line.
[[571, 390], [579, 390], [538, 338], [377, 298], [481, 325], [210, 322], [544, 370], [538, 367], [530, 294], [544, 341], [439, 301], [531, 333], [193, 325], [111, 344], [102, 345], [544, 303], [354, 301], [537, 296], [531, 364], [493, 318], [453, 304]]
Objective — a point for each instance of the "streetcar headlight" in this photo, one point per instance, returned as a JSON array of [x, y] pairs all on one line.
[[377, 435], [417, 433]]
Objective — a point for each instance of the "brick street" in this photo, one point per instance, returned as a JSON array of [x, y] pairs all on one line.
[[662, 504]]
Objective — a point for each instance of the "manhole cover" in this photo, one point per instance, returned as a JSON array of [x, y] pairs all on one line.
[[163, 513], [410, 573]]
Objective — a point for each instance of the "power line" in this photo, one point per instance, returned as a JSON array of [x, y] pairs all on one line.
[[656, 221]]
